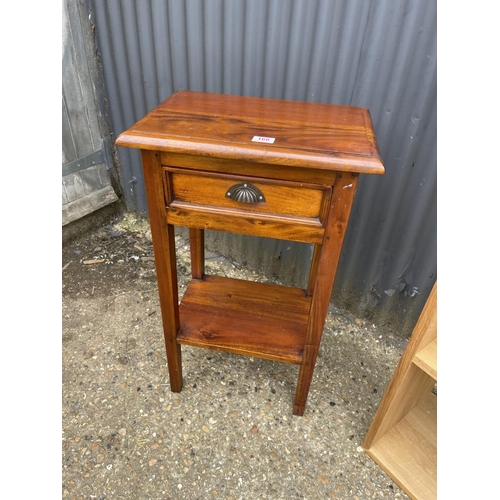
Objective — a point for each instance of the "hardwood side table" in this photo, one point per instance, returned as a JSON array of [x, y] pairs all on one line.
[[257, 166]]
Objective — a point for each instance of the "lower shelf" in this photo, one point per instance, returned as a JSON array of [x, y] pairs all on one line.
[[407, 452], [244, 317]]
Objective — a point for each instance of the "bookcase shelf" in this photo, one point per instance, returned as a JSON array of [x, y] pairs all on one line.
[[402, 438]]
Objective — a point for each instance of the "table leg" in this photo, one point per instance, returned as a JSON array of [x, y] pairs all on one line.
[[197, 248], [165, 260], [324, 276], [314, 270]]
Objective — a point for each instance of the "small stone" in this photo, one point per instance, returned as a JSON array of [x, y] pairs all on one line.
[[254, 430], [153, 461], [205, 428], [122, 431], [359, 449], [323, 479]]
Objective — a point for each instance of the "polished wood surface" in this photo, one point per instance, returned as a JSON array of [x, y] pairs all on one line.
[[313, 272], [306, 135], [165, 260], [244, 222], [325, 270], [248, 169], [280, 197], [195, 147], [197, 250], [255, 319]]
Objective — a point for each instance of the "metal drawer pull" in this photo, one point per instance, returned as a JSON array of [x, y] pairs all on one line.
[[245, 193]]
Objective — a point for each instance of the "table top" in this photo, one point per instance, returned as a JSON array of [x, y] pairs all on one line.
[[282, 132]]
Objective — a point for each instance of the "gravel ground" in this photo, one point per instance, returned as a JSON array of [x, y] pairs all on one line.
[[230, 433]]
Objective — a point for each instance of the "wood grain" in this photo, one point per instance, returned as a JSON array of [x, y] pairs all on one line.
[[255, 319], [280, 197], [197, 250], [408, 452], [307, 135], [165, 260], [248, 168], [313, 272], [324, 275], [408, 383], [194, 145], [242, 222]]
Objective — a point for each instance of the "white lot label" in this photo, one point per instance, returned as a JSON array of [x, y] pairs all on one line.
[[268, 140]]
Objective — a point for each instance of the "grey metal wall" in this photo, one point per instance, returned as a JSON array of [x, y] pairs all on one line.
[[379, 54]]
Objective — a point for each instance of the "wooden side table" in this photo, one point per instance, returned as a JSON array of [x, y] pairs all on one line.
[[263, 167]]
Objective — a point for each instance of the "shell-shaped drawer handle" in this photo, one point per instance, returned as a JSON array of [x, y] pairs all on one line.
[[245, 193]]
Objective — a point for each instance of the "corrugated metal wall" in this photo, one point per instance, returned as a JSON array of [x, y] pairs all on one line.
[[379, 54]]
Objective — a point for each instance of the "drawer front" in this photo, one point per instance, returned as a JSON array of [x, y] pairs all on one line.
[[259, 196]]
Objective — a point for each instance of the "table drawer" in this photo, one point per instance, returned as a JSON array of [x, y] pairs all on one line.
[[248, 194]]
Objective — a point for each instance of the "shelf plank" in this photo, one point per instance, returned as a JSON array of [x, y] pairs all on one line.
[[408, 453], [426, 359], [242, 317]]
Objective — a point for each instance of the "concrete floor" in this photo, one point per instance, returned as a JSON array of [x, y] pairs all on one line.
[[230, 433]]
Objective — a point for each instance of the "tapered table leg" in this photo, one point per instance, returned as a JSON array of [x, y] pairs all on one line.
[[166, 267], [324, 276]]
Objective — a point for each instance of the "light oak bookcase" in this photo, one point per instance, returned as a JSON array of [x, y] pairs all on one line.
[[402, 438]]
